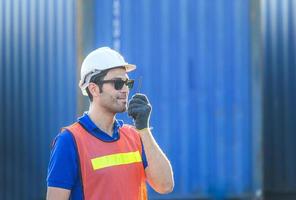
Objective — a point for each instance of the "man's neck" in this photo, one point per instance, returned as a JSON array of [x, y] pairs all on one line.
[[103, 120]]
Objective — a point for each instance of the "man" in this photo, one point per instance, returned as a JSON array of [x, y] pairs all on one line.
[[99, 157]]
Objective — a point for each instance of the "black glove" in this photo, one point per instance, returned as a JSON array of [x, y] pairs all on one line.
[[139, 109]]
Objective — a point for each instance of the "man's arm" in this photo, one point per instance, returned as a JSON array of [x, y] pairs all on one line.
[[54, 193], [159, 171], [62, 168]]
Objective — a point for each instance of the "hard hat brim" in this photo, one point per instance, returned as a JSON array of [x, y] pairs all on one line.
[[130, 67]]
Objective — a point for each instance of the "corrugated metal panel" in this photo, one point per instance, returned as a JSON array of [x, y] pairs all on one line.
[[256, 65], [195, 60], [38, 89], [279, 22]]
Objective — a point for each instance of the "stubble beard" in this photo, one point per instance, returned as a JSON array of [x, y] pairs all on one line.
[[116, 106], [123, 107]]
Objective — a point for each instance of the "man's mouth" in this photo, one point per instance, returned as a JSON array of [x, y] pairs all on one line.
[[123, 99]]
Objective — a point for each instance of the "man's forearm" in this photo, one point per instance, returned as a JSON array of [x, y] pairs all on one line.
[[54, 193], [159, 171]]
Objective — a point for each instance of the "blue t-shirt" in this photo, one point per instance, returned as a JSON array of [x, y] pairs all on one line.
[[64, 169]]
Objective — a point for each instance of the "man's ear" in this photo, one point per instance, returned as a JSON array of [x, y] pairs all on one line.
[[93, 89]]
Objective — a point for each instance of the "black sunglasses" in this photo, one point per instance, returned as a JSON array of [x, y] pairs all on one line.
[[118, 83]]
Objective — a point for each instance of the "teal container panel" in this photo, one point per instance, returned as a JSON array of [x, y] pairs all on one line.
[[279, 31], [37, 92]]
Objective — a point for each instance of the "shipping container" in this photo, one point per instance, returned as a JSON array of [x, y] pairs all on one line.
[[196, 64], [206, 67], [279, 36], [38, 89]]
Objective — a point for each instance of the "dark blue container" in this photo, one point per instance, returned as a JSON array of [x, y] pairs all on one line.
[[279, 31], [37, 92], [202, 67]]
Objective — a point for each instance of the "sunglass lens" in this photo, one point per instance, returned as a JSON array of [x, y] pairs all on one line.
[[130, 84], [118, 84]]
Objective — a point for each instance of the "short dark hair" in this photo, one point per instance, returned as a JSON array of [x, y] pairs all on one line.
[[96, 79]]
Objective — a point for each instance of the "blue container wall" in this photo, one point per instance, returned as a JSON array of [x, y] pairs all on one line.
[[38, 89], [194, 58], [279, 31]]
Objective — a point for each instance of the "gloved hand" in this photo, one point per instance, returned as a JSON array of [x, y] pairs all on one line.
[[139, 109]]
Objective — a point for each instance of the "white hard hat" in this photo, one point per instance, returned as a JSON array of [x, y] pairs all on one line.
[[98, 60]]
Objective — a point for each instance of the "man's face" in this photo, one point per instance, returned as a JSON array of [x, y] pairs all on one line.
[[113, 100]]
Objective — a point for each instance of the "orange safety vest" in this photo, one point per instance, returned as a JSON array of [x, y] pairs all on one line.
[[110, 170]]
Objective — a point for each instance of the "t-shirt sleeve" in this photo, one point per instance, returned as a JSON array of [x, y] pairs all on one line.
[[63, 166]]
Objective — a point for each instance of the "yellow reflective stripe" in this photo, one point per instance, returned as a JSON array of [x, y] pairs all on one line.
[[116, 159]]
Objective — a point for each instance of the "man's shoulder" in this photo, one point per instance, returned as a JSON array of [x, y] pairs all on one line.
[[129, 131], [129, 128], [65, 134], [63, 138], [63, 164]]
